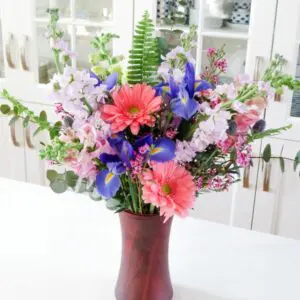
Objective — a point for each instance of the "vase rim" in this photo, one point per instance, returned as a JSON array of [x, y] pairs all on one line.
[[139, 216]]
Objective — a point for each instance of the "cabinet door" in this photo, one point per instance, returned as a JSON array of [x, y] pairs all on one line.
[[277, 203], [35, 167], [242, 26], [12, 162], [287, 43], [81, 21]]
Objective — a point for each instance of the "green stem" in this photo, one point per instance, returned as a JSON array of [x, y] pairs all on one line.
[[90, 109], [152, 209], [133, 196], [56, 61]]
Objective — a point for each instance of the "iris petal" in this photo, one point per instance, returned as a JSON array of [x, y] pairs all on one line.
[[126, 153], [111, 81], [174, 88], [184, 106], [107, 183], [163, 150], [145, 140], [202, 85], [108, 158], [189, 79], [93, 75]]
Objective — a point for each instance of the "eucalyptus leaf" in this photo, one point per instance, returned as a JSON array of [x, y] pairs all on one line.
[[52, 175], [43, 116], [5, 109], [26, 122], [282, 164], [71, 179], [112, 204], [297, 161], [59, 186], [267, 154], [94, 195]]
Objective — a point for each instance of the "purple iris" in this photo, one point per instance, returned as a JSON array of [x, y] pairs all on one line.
[[110, 81], [161, 150], [107, 183], [183, 103]]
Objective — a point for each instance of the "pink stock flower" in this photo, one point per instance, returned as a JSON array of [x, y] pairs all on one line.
[[171, 133], [169, 187], [227, 144], [133, 107], [246, 120]]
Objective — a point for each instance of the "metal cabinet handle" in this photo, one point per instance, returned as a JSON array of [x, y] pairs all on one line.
[[246, 178], [28, 139], [13, 135], [277, 97], [23, 53], [267, 177], [256, 74], [8, 52]]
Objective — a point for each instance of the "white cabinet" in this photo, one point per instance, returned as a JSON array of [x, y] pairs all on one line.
[[259, 202]]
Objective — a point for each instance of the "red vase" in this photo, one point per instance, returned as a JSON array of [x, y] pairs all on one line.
[[144, 272]]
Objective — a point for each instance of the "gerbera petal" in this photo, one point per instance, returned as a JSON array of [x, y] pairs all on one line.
[[107, 183], [163, 150]]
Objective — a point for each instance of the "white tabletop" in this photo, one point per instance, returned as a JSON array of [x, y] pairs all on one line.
[[67, 247]]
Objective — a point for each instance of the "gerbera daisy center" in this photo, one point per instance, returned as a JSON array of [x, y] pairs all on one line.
[[166, 189], [134, 110]]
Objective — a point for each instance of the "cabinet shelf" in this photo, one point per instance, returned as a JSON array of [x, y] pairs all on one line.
[[228, 33], [78, 21]]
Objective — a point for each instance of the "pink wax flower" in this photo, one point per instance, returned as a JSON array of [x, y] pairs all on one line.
[[58, 108], [171, 133], [132, 107], [222, 65], [170, 187], [211, 52], [246, 120], [227, 144]]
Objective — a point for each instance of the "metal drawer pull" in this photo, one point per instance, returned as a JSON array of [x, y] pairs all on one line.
[[23, 53], [267, 177], [13, 135], [256, 74], [8, 52], [277, 97], [246, 178], [28, 139]]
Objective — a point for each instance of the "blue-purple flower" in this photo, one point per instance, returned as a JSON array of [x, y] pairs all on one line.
[[110, 81], [107, 183], [183, 103]]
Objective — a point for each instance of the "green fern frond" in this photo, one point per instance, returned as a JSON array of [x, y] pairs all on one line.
[[144, 56]]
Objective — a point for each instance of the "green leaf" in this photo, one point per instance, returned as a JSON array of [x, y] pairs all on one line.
[[59, 186], [52, 175], [13, 120], [26, 122], [37, 131], [94, 195], [297, 161], [267, 154], [43, 116], [5, 109], [282, 164], [71, 179], [112, 204]]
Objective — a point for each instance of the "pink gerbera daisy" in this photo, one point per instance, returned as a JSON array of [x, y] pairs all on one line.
[[170, 187], [132, 107]]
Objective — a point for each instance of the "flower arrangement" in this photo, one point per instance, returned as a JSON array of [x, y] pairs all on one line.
[[149, 139]]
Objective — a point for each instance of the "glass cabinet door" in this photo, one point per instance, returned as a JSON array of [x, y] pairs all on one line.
[[81, 21], [237, 25], [286, 108]]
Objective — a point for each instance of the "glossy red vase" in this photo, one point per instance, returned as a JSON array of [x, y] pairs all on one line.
[[144, 272]]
